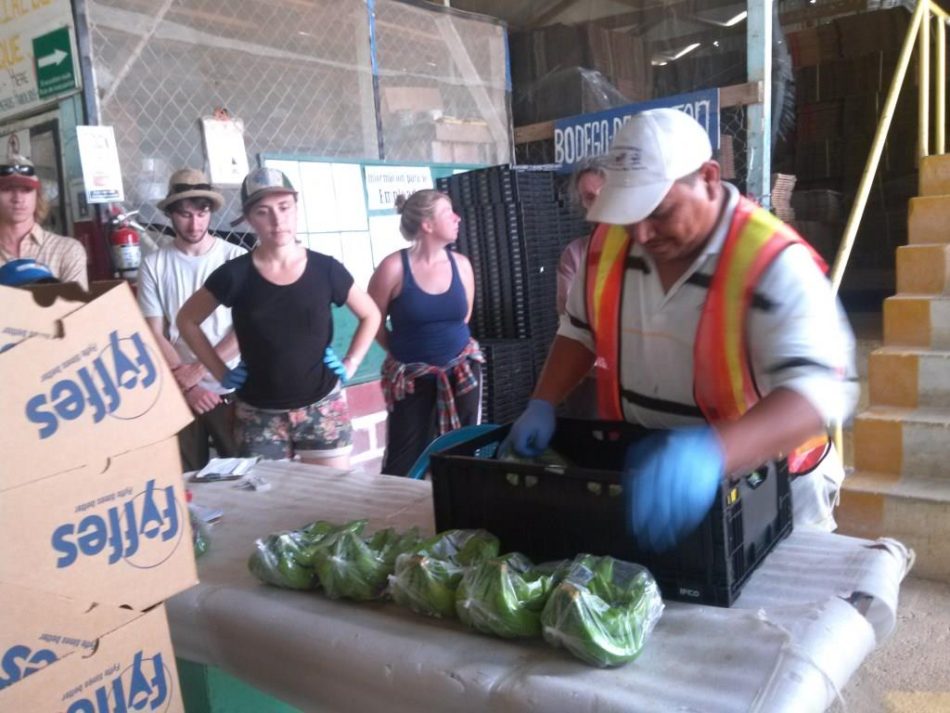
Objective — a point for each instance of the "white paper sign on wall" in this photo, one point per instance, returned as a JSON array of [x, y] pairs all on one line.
[[99, 157], [225, 150]]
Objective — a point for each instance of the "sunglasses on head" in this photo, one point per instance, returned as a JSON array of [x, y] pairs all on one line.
[[182, 187], [21, 170]]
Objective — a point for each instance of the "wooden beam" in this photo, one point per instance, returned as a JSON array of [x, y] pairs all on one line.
[[740, 94], [534, 132], [733, 95]]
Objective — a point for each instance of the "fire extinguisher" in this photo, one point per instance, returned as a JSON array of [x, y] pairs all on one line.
[[125, 245]]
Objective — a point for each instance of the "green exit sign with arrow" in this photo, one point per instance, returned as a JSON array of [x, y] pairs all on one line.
[[53, 61]]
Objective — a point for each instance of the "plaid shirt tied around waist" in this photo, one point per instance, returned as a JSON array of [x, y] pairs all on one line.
[[399, 379]]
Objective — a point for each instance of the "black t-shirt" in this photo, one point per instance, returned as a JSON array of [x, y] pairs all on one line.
[[283, 330]]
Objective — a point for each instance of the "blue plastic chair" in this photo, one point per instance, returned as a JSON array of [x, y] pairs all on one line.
[[446, 440]]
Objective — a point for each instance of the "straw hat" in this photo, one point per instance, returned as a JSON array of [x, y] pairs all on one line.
[[190, 183]]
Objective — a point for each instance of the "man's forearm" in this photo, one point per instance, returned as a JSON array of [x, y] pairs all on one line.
[[157, 327], [777, 424], [567, 364]]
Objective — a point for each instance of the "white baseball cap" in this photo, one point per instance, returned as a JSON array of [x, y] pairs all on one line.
[[649, 153]]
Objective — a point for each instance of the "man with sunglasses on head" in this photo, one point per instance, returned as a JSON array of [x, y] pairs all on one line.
[[167, 278], [22, 208]]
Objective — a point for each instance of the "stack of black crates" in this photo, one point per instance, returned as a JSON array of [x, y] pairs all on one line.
[[516, 221]]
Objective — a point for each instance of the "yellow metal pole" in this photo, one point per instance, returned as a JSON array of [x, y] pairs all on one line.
[[939, 12], [940, 96], [923, 85], [877, 146]]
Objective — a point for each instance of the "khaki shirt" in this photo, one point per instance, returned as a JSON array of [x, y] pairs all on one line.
[[65, 257]]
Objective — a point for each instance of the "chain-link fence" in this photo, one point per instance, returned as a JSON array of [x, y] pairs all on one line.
[[318, 79], [442, 86], [733, 146]]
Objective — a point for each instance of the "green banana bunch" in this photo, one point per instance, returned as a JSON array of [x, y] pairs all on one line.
[[602, 611], [279, 559], [426, 579], [353, 567], [504, 596]]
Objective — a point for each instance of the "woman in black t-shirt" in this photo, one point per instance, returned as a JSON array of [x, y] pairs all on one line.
[[289, 398]]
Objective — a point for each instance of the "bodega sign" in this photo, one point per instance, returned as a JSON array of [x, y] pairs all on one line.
[[589, 135]]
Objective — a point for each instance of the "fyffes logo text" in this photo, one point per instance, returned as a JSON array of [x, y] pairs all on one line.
[[145, 685], [120, 382], [143, 531], [19, 661]]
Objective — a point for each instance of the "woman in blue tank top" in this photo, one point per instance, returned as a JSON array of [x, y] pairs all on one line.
[[431, 376]]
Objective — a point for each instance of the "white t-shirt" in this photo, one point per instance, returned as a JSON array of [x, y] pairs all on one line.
[[168, 277]]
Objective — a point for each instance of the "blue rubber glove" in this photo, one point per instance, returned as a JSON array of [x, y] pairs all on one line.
[[532, 432], [333, 363], [235, 378], [672, 479]]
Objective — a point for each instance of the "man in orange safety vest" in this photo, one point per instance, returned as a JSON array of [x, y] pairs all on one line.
[[716, 325]]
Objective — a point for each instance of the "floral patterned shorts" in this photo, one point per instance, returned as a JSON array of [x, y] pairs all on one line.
[[320, 430]]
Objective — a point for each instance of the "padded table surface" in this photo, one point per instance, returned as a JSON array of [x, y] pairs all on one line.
[[788, 644]]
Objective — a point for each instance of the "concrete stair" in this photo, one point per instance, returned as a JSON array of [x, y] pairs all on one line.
[[915, 511], [901, 484]]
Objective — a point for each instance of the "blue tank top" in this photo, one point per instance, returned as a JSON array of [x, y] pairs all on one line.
[[428, 328]]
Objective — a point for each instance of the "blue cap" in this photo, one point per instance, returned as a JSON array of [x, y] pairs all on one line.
[[24, 271]]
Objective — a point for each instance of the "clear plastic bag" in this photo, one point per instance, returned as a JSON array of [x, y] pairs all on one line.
[[505, 595], [352, 566], [286, 559], [426, 579], [200, 533], [602, 611]]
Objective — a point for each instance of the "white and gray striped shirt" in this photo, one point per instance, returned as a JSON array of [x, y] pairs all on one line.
[[798, 335]]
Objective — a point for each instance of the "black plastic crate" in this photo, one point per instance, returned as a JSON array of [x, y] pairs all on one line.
[[554, 513], [508, 379]]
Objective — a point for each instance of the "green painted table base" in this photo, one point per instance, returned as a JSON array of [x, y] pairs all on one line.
[[208, 689]]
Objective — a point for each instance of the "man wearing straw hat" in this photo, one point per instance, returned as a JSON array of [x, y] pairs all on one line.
[[167, 278]]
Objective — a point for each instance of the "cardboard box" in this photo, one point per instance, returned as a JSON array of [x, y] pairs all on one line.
[[90, 484], [476, 132], [814, 45], [20, 319], [868, 32], [119, 535], [58, 658], [37, 629], [824, 236], [868, 74], [413, 99], [100, 388], [818, 160], [820, 121]]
